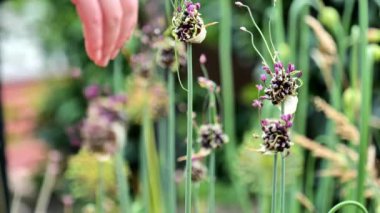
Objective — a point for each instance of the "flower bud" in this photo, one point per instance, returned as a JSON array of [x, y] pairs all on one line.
[[92, 91], [329, 17], [239, 4], [263, 77], [244, 29], [202, 59]]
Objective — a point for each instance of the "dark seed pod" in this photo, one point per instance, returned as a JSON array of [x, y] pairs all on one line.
[[188, 24], [211, 136], [276, 136], [198, 171]]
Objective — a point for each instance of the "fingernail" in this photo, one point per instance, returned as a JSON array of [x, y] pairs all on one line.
[[105, 61], [98, 55]]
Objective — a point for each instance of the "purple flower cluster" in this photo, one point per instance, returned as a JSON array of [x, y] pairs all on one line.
[[276, 136], [283, 83], [187, 22], [198, 171], [96, 129], [92, 91], [211, 136]]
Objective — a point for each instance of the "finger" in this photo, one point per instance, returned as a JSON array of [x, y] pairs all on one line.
[[112, 17], [91, 16], [130, 11]]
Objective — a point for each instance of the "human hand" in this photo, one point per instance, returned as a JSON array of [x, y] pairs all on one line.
[[107, 24]]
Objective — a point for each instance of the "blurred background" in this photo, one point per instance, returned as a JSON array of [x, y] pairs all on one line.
[[45, 72]]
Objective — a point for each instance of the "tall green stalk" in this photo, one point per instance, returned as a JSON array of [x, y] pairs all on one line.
[[121, 177], [324, 191], [274, 184], [122, 182], [212, 119], [301, 117], [163, 146], [171, 144], [152, 164], [211, 193], [280, 32], [300, 55], [354, 67], [144, 175], [283, 166], [366, 90], [189, 127], [225, 60], [347, 13]]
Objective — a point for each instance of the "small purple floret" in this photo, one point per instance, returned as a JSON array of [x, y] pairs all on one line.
[[92, 91], [266, 69], [257, 104], [291, 68], [279, 65], [198, 5], [264, 122], [263, 77]]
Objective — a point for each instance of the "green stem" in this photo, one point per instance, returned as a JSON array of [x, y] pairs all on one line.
[[280, 31], [211, 193], [310, 176], [304, 65], [171, 146], [144, 175], [100, 186], [168, 11], [282, 172], [366, 90], [354, 65], [163, 157], [347, 13], [122, 181], [225, 60], [152, 164], [189, 127], [213, 118], [274, 184], [324, 191], [283, 184], [347, 203]]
